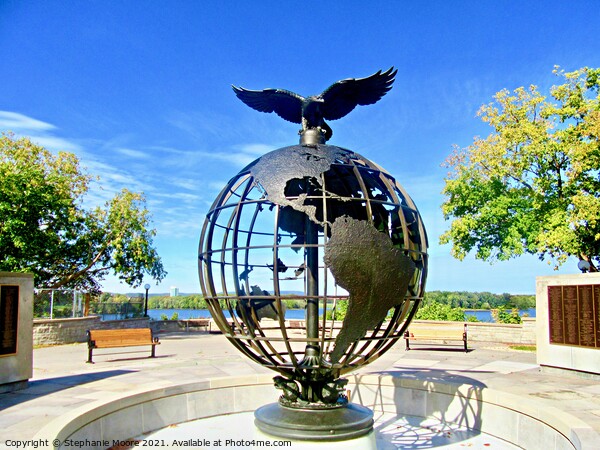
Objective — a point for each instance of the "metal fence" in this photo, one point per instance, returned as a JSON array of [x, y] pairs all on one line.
[[66, 303], [57, 303], [118, 310]]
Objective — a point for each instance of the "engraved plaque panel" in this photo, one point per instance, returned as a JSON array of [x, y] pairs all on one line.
[[9, 317], [555, 315], [587, 333], [574, 315], [571, 315], [597, 313]]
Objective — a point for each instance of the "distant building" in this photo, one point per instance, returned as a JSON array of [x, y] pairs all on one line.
[[174, 291]]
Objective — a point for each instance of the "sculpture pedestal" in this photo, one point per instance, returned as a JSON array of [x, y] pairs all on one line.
[[335, 424]]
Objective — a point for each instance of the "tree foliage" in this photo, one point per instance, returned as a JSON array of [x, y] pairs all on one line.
[[531, 186], [479, 300], [440, 311], [44, 228]]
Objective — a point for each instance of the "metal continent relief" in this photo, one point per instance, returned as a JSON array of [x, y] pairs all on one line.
[[274, 171], [362, 259], [574, 315], [375, 274]]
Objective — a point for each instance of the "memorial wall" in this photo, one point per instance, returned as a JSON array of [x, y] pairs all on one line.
[[16, 330], [568, 321]]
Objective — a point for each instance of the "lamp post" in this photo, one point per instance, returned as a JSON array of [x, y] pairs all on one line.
[[146, 286], [584, 266]]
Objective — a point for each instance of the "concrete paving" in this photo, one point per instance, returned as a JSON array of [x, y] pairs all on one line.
[[62, 380]]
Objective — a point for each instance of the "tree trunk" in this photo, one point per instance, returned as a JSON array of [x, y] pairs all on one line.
[[86, 304]]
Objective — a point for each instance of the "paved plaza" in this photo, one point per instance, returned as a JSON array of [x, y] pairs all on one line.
[[62, 380]]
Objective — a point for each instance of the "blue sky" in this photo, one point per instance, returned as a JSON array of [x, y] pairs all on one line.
[[140, 91]]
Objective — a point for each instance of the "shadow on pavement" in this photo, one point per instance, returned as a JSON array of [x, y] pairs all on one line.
[[47, 386], [440, 349]]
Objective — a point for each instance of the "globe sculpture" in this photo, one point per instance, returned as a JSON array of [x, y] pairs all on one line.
[[326, 227]]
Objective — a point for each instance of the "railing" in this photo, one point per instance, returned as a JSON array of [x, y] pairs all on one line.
[[118, 310], [66, 303], [57, 303]]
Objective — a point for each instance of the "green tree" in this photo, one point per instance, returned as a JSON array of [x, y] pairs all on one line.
[[532, 185], [44, 228], [523, 301]]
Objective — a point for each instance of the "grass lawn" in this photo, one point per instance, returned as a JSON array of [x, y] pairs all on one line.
[[524, 348]]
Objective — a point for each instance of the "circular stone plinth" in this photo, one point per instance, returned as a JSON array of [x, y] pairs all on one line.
[[237, 431], [334, 424]]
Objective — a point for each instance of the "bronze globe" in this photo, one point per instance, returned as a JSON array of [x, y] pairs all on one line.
[[328, 228]]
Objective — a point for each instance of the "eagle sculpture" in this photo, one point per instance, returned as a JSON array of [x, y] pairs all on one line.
[[333, 103]]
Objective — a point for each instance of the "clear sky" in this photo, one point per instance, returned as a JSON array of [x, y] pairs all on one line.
[[140, 91]]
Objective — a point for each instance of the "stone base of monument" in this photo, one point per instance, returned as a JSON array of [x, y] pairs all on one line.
[[409, 413], [393, 432], [238, 431], [334, 424]]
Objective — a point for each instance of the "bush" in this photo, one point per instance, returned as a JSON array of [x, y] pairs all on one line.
[[439, 311], [175, 316], [341, 308], [501, 315]]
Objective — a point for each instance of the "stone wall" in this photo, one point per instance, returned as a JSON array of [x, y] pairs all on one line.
[[518, 334], [68, 331], [167, 326]]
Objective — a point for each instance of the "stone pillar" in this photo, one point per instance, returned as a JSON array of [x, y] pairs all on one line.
[[568, 322], [16, 330]]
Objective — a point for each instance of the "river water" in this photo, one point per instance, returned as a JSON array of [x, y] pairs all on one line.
[[485, 315], [299, 314]]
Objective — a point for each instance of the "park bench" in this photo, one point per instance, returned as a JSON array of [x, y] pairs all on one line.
[[297, 324], [198, 323], [436, 331], [127, 337]]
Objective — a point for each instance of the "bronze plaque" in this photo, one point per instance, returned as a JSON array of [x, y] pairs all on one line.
[[9, 317], [574, 315], [596, 289], [555, 315], [587, 334], [571, 315]]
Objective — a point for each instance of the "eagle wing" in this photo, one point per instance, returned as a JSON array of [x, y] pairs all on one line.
[[342, 97], [285, 104]]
